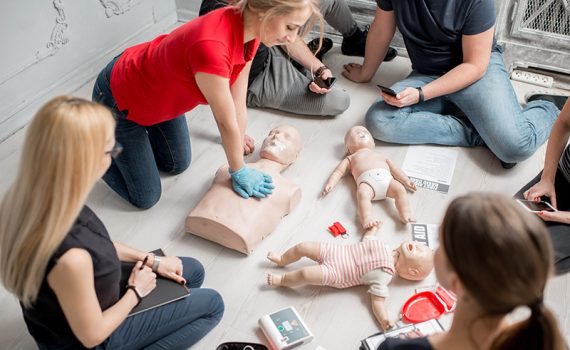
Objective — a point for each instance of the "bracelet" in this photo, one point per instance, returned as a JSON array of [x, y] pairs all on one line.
[[136, 291], [421, 94], [320, 70], [155, 263]]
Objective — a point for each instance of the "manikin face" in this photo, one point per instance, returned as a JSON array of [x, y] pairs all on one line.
[[358, 137], [414, 261], [282, 145], [282, 30]]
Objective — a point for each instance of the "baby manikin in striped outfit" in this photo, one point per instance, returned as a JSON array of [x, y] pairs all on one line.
[[370, 262]]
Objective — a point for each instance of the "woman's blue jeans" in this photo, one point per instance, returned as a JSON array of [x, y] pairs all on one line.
[[486, 112], [177, 325], [134, 174]]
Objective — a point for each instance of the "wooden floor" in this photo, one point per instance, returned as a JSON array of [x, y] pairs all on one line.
[[338, 318]]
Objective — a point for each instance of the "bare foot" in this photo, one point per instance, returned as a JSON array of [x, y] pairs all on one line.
[[274, 258], [274, 280], [408, 219], [370, 223]]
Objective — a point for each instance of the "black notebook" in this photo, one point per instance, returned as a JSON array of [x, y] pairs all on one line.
[[166, 290]]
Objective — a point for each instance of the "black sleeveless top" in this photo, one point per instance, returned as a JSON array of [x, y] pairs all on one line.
[[45, 319]]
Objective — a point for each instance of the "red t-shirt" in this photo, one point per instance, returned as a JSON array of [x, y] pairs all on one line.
[[155, 82]]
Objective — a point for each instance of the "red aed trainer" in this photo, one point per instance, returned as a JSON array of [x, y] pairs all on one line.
[[428, 305]]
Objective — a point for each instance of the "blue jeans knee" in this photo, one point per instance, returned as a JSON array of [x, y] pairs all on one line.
[[381, 121]]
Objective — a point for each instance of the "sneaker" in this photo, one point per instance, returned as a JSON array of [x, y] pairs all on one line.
[[558, 100], [506, 165], [325, 47], [355, 45]]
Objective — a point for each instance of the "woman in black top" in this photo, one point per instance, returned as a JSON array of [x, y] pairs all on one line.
[[495, 256], [58, 259], [554, 184]]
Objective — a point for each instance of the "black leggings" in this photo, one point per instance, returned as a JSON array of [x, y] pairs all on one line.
[[559, 233]]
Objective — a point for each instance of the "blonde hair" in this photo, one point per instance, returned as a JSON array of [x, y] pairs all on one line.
[[61, 161], [275, 8]]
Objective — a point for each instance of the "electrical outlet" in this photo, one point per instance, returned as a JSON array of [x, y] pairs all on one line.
[[532, 78]]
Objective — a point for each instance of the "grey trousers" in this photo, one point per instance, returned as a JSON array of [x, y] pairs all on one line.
[[282, 86]]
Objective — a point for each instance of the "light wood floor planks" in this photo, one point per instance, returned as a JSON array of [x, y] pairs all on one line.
[[338, 318]]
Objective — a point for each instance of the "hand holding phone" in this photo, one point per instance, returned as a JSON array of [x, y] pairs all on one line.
[[387, 90], [324, 83], [535, 207]]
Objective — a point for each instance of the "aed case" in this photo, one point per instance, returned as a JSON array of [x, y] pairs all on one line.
[[285, 329]]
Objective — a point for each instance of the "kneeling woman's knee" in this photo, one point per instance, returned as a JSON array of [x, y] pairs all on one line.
[[381, 121], [181, 164], [148, 200]]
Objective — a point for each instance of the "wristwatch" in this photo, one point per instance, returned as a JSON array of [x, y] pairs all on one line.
[[421, 94], [155, 263], [136, 291]]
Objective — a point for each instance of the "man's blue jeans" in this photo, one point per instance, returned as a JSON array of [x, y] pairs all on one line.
[[177, 325], [134, 174], [484, 113]]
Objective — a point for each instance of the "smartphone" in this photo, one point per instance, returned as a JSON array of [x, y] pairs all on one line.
[[387, 90], [536, 206], [326, 83]]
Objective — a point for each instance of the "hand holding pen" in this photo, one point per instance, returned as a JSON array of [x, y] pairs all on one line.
[[143, 278]]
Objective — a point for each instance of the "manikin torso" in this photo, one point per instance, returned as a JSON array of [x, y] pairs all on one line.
[[225, 217]]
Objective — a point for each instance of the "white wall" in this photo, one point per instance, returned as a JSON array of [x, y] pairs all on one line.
[[52, 47], [187, 9]]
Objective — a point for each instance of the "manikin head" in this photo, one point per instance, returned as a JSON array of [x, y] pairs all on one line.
[[413, 261], [357, 138], [282, 145]]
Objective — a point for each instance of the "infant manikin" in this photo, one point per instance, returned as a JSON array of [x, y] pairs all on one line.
[[376, 176], [372, 263]]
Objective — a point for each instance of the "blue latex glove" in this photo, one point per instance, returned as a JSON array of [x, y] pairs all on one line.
[[248, 182]]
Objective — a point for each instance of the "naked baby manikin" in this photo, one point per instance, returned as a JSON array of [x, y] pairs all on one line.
[[226, 218], [371, 262], [376, 176]]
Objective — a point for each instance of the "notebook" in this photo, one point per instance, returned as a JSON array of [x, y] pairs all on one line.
[[166, 290]]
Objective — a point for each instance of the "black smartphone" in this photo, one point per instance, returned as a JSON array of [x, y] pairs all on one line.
[[326, 83], [536, 206], [387, 90]]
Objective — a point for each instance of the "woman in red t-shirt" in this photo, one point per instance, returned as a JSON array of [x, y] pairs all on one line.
[[150, 86]]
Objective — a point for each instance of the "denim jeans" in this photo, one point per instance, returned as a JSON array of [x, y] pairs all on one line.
[[484, 113], [177, 325], [134, 174]]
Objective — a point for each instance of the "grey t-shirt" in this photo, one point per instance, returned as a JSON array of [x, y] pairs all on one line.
[[432, 29]]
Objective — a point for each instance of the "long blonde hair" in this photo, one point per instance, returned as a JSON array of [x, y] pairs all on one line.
[[274, 8], [61, 161]]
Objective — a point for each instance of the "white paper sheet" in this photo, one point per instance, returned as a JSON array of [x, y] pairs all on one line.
[[430, 167]]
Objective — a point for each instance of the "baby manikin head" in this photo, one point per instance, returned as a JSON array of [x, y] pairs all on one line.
[[282, 145], [413, 261], [358, 137]]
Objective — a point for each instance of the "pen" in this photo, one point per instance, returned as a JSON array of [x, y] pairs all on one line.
[[144, 262]]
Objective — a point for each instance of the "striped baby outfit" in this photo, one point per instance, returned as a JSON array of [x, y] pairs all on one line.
[[343, 266]]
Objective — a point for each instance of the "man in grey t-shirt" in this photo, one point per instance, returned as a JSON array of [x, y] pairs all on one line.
[[459, 92]]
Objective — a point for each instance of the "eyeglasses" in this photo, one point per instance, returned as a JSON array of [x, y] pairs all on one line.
[[115, 151]]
